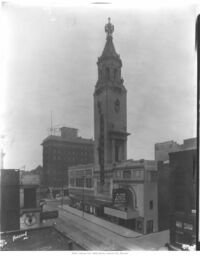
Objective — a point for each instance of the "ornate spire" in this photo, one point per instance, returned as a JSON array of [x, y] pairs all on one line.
[[109, 28], [109, 49]]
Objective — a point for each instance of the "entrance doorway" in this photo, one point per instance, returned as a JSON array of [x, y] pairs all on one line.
[[149, 226]]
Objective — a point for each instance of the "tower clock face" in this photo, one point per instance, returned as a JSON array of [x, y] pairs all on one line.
[[117, 106]]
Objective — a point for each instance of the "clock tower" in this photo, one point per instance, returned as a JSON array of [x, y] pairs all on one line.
[[110, 110]]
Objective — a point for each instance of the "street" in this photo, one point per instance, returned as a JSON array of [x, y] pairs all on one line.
[[94, 237]]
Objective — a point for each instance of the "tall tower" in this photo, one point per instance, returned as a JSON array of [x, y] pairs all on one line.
[[110, 111]]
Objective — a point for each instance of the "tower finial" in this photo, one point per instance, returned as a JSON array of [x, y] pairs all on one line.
[[109, 28]]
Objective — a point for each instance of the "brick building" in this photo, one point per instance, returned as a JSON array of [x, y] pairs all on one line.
[[60, 152], [165, 173]]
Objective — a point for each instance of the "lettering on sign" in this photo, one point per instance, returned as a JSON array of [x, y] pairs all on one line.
[[23, 235], [120, 197]]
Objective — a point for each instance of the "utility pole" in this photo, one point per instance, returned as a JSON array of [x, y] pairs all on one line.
[[83, 199], [2, 154], [63, 187], [2, 158]]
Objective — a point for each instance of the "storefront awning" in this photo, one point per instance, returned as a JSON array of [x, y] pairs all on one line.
[[90, 200], [126, 215]]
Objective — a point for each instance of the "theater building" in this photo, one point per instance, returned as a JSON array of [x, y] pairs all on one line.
[[129, 199], [122, 191]]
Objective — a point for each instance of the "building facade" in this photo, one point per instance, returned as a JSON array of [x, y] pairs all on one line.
[[122, 191], [163, 149], [29, 200], [164, 194], [130, 199], [60, 152], [20, 200], [183, 166], [9, 200], [165, 174]]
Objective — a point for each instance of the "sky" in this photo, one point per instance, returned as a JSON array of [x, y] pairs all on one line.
[[49, 64]]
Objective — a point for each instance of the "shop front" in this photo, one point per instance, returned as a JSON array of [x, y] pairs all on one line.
[[88, 204]]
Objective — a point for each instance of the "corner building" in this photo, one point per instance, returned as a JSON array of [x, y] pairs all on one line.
[[122, 191]]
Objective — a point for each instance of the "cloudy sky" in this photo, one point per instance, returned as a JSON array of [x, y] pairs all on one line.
[[50, 57]]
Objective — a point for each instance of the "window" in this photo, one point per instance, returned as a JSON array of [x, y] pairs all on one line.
[[29, 198], [118, 174], [107, 74], [100, 74], [179, 224], [79, 182], [188, 226], [72, 182], [139, 225], [151, 205], [149, 226], [127, 174], [194, 168], [152, 176], [115, 74], [88, 182], [88, 172], [116, 153]]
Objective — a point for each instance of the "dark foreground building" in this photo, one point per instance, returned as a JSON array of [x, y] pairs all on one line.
[[60, 152], [20, 200], [183, 166], [9, 200], [164, 172]]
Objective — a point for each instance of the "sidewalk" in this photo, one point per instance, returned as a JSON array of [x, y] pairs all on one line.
[[119, 230]]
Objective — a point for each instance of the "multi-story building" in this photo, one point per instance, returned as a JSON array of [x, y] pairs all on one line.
[[124, 191], [20, 200], [183, 166], [29, 200], [9, 200], [132, 195], [165, 172], [60, 152], [163, 149]]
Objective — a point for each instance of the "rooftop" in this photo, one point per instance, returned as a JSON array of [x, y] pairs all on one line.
[[72, 140], [41, 239]]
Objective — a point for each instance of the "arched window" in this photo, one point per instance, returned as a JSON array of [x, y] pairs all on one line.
[[100, 74], [115, 74], [107, 74]]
